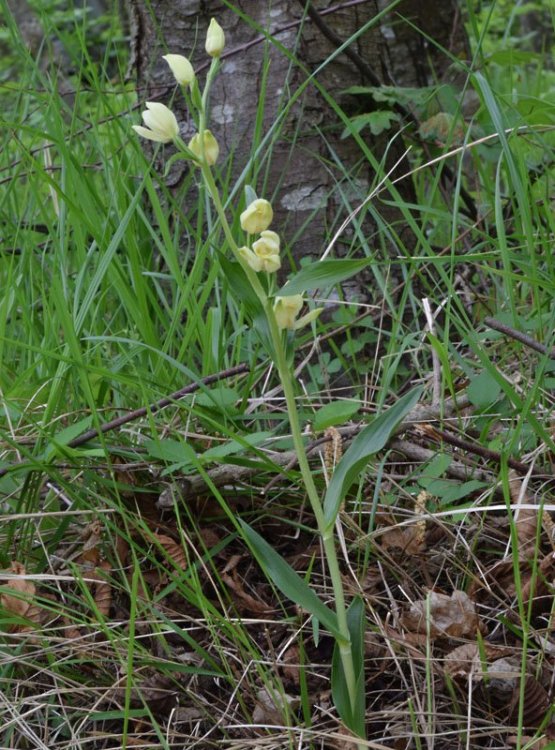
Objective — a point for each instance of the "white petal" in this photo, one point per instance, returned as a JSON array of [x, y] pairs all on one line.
[[146, 133]]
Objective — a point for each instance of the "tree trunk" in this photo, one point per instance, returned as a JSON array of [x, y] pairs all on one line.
[[301, 175]]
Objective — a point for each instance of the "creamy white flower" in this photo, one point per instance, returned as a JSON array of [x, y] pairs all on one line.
[[267, 250], [257, 216], [161, 123], [253, 261], [286, 310]]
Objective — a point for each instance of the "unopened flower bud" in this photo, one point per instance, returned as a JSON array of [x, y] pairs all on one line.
[[215, 39], [257, 216], [211, 148], [181, 68]]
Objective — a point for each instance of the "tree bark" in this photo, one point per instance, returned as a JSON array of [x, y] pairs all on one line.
[[301, 175]]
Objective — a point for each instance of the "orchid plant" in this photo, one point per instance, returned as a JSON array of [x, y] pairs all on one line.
[[258, 255]]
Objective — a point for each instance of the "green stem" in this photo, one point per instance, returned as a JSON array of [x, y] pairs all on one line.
[[314, 498]]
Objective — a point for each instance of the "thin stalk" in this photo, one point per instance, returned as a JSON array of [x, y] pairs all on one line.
[[314, 498]]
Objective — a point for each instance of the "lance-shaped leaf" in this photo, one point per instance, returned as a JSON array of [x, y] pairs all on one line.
[[289, 582], [322, 274], [372, 439], [352, 715]]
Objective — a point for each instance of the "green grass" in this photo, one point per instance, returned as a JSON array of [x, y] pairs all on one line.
[[112, 298]]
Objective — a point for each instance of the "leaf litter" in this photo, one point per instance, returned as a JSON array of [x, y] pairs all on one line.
[[438, 592]]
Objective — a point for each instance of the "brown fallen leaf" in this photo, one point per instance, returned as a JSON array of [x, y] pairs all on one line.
[[504, 688], [454, 616], [209, 537], [541, 742], [18, 599], [102, 590], [526, 519], [466, 660], [290, 667], [252, 605], [540, 585], [174, 549], [536, 703], [272, 707], [409, 539], [538, 744]]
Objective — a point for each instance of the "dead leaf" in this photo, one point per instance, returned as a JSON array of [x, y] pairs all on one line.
[[209, 537], [409, 539], [454, 616], [343, 739], [174, 549], [536, 703], [465, 660], [254, 606], [102, 590], [539, 585], [406, 538], [442, 127], [121, 550], [504, 688], [538, 744], [524, 741], [273, 707], [526, 519], [291, 664], [20, 603]]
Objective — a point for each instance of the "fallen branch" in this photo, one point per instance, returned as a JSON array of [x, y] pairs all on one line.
[[131, 416], [229, 474], [519, 336], [478, 450]]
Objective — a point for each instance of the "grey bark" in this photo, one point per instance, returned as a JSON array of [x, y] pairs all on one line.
[[300, 177]]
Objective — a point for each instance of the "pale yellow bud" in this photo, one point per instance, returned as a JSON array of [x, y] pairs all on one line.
[[215, 39], [181, 68], [161, 124], [286, 310], [257, 217], [267, 251], [249, 257], [211, 148]]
